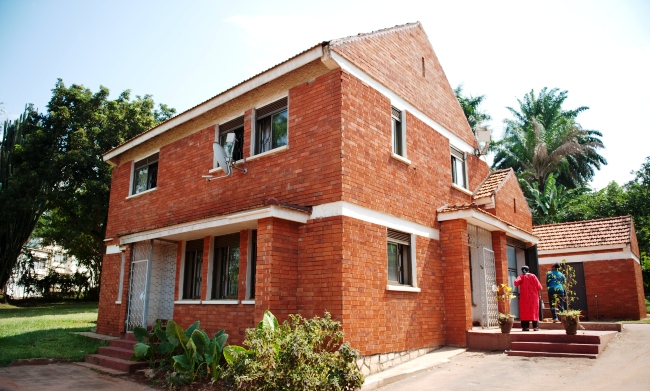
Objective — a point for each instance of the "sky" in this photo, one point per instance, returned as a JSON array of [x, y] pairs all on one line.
[[185, 52]]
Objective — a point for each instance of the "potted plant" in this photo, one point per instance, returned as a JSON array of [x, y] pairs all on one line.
[[570, 318], [504, 295]]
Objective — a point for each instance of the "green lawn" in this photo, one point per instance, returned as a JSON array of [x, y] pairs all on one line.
[[45, 331]]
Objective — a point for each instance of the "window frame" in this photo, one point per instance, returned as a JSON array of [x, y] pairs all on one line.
[[222, 257], [282, 106], [235, 125], [398, 136], [251, 265], [147, 162], [192, 285], [458, 156], [406, 249]]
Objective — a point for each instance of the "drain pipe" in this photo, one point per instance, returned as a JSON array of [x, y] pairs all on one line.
[[596, 296]]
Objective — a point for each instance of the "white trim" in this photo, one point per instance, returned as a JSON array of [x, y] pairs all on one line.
[[343, 208], [248, 302], [181, 272], [113, 249], [462, 189], [108, 239], [214, 155], [399, 102], [400, 158], [210, 260], [118, 302], [589, 257], [229, 302], [270, 152], [247, 86], [249, 269], [402, 288], [120, 288], [414, 263], [142, 192], [187, 302], [490, 223], [580, 249], [215, 222]]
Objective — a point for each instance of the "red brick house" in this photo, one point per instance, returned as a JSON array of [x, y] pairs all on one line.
[[605, 256], [362, 195]]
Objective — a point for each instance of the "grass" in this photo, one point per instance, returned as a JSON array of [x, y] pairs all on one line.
[[46, 331]]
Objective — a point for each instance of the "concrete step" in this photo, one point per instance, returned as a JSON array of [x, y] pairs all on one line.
[[556, 338], [110, 371], [550, 354], [129, 336], [123, 343], [115, 363], [113, 351], [551, 347]]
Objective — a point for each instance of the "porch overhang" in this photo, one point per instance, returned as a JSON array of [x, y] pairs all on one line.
[[219, 225], [484, 220]]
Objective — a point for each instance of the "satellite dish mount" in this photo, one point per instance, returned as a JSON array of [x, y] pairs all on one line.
[[224, 157], [483, 137]]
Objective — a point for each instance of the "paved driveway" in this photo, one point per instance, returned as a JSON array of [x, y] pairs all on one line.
[[624, 365], [63, 377]]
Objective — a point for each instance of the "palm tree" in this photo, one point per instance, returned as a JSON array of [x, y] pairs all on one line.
[[470, 105], [548, 204], [544, 138]]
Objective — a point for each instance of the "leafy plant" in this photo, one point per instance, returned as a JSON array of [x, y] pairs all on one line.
[[154, 347], [299, 354], [572, 316], [504, 295]]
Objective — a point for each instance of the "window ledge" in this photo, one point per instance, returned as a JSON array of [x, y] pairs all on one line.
[[141, 193], [248, 301], [217, 169], [187, 302], [402, 288], [464, 190], [118, 302], [400, 158], [271, 152], [220, 302]]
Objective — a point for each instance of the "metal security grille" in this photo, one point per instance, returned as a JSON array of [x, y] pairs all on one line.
[[161, 283], [271, 108], [137, 312], [490, 310], [396, 113]]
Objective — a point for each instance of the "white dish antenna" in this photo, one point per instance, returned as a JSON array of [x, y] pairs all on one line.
[[222, 159], [483, 135]]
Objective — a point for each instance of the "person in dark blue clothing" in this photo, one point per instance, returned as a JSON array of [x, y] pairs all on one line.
[[555, 281]]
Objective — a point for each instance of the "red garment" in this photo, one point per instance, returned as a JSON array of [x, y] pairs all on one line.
[[529, 288]]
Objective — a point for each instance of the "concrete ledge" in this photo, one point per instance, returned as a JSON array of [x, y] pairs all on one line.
[[100, 337], [410, 368]]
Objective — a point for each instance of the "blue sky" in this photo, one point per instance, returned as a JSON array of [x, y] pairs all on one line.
[[186, 52]]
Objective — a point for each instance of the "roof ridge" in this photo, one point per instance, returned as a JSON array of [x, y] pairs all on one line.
[[372, 34], [584, 221]]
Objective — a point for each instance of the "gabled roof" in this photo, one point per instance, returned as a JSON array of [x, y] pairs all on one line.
[[588, 233], [492, 183]]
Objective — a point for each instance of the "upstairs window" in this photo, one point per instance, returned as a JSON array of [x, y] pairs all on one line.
[[458, 170], [397, 132], [399, 258], [271, 126], [145, 174], [225, 275], [192, 271], [235, 126]]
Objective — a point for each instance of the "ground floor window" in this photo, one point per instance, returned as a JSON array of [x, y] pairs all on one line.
[[225, 275], [192, 271], [399, 257]]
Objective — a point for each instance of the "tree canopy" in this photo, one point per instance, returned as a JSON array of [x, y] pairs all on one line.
[[471, 108], [544, 138]]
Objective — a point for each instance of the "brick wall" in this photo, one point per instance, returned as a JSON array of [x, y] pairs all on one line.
[[109, 314], [499, 246], [511, 205], [456, 279]]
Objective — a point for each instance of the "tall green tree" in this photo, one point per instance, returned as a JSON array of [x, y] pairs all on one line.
[[89, 124], [26, 181], [471, 108], [543, 138], [548, 204]]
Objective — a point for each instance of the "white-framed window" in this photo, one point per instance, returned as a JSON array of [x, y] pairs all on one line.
[[235, 126], [398, 248], [398, 132], [225, 267], [192, 270], [252, 265], [458, 168], [145, 174], [271, 126]]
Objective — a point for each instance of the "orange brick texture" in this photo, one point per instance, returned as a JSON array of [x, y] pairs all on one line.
[[499, 246], [511, 205], [456, 280], [617, 283]]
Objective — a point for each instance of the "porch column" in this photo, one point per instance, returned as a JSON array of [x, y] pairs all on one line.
[[500, 248], [277, 268], [456, 279]]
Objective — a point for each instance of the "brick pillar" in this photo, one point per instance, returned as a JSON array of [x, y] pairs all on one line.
[[277, 268], [456, 279], [499, 246]]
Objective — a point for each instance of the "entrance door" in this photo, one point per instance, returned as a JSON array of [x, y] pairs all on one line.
[[512, 276], [581, 302], [490, 310], [138, 286]]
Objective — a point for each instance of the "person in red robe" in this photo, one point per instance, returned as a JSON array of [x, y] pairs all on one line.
[[529, 288]]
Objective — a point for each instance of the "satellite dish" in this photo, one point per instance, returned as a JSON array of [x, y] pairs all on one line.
[[222, 159], [483, 135]]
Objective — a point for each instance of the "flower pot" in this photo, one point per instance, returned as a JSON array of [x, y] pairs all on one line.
[[506, 325], [570, 323]]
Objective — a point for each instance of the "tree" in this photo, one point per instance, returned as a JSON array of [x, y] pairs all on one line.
[[470, 105], [89, 124], [548, 204], [543, 138], [27, 179]]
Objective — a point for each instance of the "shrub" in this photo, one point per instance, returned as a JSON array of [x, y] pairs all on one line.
[[299, 354]]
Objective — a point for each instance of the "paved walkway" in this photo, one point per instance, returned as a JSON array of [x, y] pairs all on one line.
[[61, 377]]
